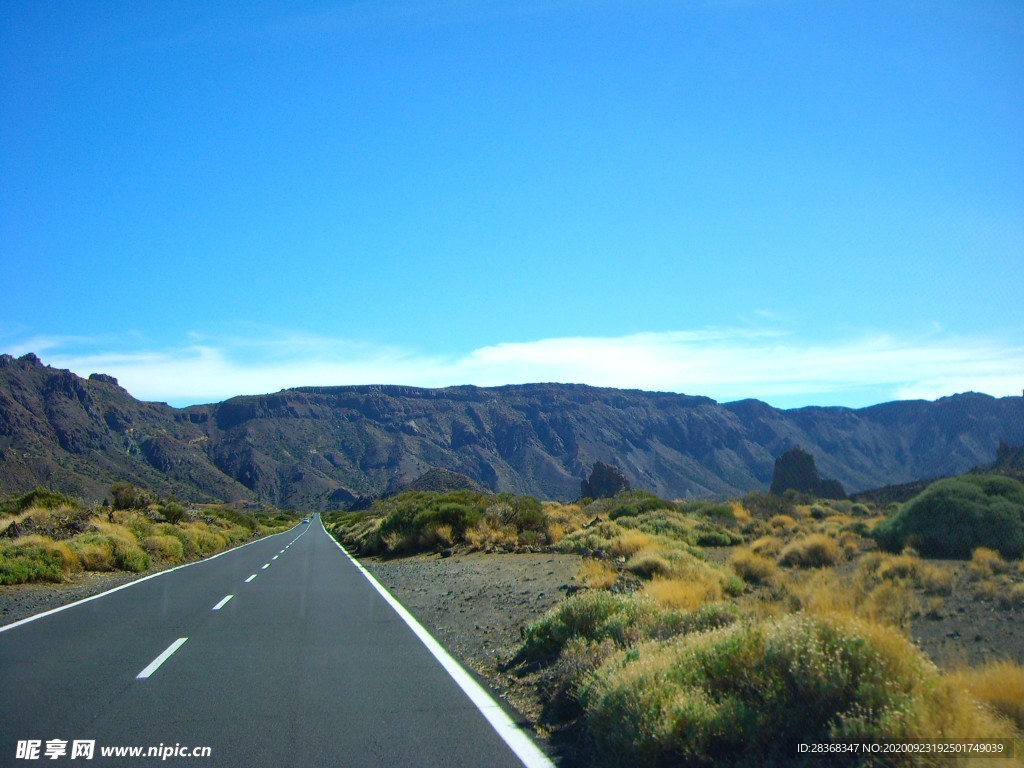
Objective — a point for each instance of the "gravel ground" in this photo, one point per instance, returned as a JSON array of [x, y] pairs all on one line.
[[476, 605], [19, 601]]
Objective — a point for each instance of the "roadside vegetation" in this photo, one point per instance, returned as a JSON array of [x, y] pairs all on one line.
[[47, 536], [725, 633]]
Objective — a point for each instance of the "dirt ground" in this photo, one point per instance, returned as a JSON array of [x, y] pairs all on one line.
[[477, 605]]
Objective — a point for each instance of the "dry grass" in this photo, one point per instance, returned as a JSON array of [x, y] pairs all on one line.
[[685, 594], [987, 562], [490, 534], [597, 574], [754, 568], [998, 684], [783, 522], [630, 543], [815, 550], [769, 546]]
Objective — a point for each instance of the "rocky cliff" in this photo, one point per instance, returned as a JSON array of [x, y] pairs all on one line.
[[323, 447]]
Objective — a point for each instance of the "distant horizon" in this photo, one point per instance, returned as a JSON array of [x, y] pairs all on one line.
[[582, 384]]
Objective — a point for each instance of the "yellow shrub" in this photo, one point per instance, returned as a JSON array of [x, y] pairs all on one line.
[[164, 547], [685, 594], [815, 550], [785, 522], [597, 574], [70, 561], [631, 542], [754, 568], [987, 562], [491, 534], [769, 546], [999, 684]]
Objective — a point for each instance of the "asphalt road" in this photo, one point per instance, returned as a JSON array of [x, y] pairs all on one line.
[[306, 664]]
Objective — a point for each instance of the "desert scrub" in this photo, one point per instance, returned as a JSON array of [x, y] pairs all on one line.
[[596, 617], [748, 693], [685, 594], [997, 684], [815, 550], [597, 574], [952, 517], [876, 567], [164, 547], [25, 562], [754, 568]]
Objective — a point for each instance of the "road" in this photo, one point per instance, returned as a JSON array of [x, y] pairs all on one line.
[[305, 664]]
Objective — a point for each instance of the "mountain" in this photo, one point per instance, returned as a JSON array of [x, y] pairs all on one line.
[[323, 447]]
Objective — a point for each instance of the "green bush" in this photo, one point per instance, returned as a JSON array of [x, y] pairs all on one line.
[[595, 616], [747, 694], [22, 564], [952, 517], [631, 503], [39, 497]]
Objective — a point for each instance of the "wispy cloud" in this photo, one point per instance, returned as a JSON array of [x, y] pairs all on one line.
[[723, 363]]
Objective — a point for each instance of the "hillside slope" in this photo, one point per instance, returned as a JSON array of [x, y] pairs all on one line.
[[318, 448]]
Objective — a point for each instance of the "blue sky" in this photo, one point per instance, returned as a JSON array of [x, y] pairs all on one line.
[[800, 201]]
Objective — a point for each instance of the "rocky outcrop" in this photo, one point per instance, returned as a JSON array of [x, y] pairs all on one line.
[[605, 481], [795, 470]]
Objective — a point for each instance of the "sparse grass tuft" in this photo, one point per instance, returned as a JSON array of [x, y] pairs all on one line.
[[754, 568], [998, 684], [748, 693], [597, 574], [815, 550]]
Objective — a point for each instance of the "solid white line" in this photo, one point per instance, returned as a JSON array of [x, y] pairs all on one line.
[[154, 665], [521, 744], [222, 603], [64, 607], [250, 578]]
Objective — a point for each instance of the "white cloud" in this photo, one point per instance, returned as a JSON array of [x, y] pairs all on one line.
[[723, 363]]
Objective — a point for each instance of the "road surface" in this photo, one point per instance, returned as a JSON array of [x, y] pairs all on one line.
[[277, 653]]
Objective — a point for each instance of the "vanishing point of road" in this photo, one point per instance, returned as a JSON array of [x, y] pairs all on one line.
[[282, 652]]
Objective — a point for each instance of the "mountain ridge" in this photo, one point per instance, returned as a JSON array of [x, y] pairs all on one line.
[[324, 447]]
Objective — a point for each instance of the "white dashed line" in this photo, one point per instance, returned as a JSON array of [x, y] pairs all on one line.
[[275, 557], [265, 567], [154, 665], [222, 603], [250, 578]]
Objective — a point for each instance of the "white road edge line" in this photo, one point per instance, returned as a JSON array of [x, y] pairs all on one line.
[[222, 603], [64, 607], [250, 578], [521, 744], [154, 665]]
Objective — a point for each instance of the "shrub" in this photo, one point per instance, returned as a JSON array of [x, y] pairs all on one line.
[[21, 563], [95, 551], [172, 512], [595, 616], [754, 568], [632, 503], [812, 551], [987, 562], [39, 497], [127, 496], [164, 547], [999, 684], [597, 574], [686, 594], [952, 517], [747, 694]]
